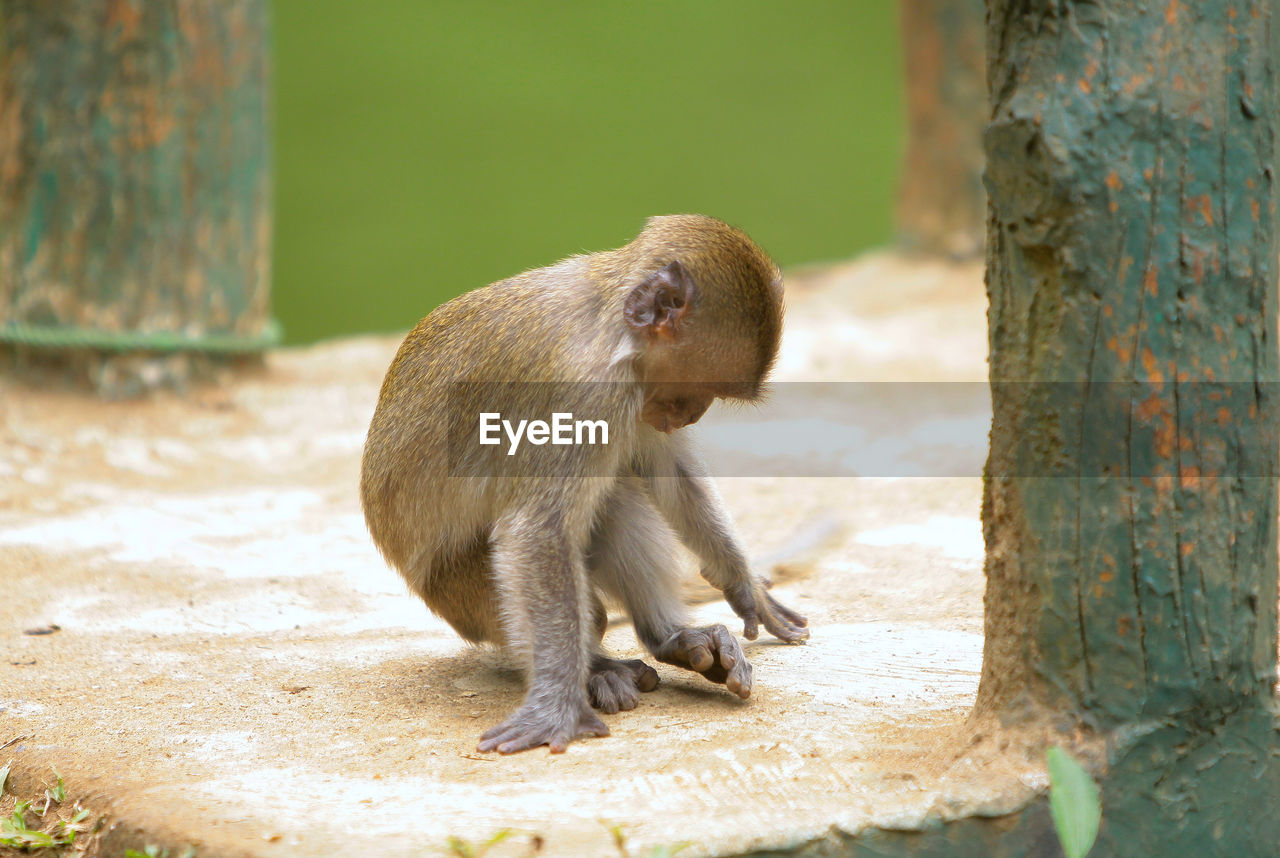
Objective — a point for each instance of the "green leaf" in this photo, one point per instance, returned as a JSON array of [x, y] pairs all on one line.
[[1073, 800], [59, 791]]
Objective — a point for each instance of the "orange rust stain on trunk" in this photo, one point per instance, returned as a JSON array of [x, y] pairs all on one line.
[[1113, 181], [1122, 353], [1171, 13], [1204, 205], [1151, 281], [1164, 439], [1122, 625], [1085, 86], [122, 14], [1150, 407], [1152, 367]]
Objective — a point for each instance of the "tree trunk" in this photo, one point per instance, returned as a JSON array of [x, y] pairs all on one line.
[[941, 204], [134, 174], [1131, 494]]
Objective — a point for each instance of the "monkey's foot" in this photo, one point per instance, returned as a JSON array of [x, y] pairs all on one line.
[[532, 725], [616, 683], [711, 651]]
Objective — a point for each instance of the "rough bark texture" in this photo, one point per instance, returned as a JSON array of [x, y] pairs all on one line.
[[941, 203], [1131, 491], [1130, 505], [134, 174]]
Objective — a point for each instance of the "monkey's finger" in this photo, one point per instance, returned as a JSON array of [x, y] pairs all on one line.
[[646, 677], [739, 679], [743, 601], [700, 658], [787, 614], [785, 631], [730, 652], [561, 741], [493, 742], [784, 623]]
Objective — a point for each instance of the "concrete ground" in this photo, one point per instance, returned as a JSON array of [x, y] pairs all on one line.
[[196, 631]]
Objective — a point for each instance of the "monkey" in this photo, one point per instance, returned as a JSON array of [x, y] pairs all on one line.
[[521, 551]]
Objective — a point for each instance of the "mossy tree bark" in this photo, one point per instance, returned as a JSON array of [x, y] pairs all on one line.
[[1131, 495], [134, 174], [941, 203]]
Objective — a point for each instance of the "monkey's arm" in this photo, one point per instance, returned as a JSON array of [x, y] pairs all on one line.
[[691, 503], [542, 591]]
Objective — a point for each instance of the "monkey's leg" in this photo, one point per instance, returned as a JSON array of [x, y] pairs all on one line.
[[460, 590], [546, 612], [615, 683], [633, 557]]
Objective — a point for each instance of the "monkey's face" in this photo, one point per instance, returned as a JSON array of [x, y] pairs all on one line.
[[681, 381], [668, 407]]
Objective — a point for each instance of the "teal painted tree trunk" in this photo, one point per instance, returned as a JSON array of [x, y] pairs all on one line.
[[134, 174], [1130, 506]]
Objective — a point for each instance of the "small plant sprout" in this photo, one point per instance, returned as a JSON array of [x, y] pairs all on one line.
[[55, 794], [152, 851], [16, 834], [460, 848], [659, 851], [1074, 803], [52, 833]]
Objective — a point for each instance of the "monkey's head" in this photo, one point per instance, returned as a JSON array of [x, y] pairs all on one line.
[[707, 310]]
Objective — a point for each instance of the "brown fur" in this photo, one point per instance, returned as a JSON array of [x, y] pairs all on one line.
[[520, 557]]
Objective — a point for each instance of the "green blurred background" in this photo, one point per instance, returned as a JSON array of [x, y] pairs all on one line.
[[427, 147]]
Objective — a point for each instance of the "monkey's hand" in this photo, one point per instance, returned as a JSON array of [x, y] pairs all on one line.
[[535, 724], [751, 601], [711, 651]]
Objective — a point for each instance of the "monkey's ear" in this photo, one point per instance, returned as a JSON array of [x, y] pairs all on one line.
[[660, 304]]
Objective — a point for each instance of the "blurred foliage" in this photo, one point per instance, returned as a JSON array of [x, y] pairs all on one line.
[[427, 147]]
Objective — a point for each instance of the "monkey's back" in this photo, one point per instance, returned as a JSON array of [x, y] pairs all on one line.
[[506, 342]]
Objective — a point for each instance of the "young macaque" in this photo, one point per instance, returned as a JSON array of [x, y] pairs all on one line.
[[518, 546]]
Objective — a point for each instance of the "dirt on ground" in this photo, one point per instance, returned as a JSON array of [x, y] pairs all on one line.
[[201, 638]]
